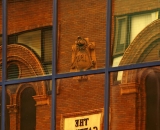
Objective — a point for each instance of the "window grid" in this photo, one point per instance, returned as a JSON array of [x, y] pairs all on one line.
[[55, 76], [4, 66]]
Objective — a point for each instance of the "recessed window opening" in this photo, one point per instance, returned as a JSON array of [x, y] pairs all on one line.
[[12, 71]]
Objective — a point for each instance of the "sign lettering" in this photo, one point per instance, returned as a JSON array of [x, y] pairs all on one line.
[[88, 122]]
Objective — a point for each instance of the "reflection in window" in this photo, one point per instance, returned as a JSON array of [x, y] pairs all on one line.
[[28, 110], [127, 28], [38, 41], [121, 35], [47, 45], [32, 40], [139, 22], [152, 101], [12, 68]]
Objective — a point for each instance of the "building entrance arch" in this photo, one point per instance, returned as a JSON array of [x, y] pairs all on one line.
[[144, 48]]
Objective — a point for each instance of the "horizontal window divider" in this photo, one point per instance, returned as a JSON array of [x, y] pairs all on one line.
[[134, 66], [73, 74], [49, 77], [24, 80], [88, 72]]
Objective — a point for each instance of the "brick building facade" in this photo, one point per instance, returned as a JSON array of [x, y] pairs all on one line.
[[129, 103]]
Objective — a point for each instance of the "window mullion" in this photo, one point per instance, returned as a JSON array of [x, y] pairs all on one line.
[[54, 65], [107, 65], [4, 61]]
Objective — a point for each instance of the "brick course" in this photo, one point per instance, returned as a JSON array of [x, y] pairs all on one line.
[[87, 19]]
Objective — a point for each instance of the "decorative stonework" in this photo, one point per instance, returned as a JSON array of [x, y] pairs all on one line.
[[83, 55], [12, 108], [41, 100], [129, 88]]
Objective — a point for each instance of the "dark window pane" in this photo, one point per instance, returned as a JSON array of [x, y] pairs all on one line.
[[12, 39], [28, 110], [47, 45]]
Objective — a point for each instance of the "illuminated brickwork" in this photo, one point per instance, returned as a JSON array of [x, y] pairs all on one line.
[[88, 20]]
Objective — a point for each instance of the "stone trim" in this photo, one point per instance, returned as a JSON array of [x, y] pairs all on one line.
[[129, 88], [41, 100], [12, 108]]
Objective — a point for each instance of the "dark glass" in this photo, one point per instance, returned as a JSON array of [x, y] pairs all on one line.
[[135, 32], [80, 102], [81, 35], [29, 38], [28, 106], [7, 120], [0, 41], [135, 99]]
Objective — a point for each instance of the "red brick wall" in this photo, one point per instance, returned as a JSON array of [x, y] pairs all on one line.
[[85, 18], [29, 14], [43, 117], [81, 18], [129, 6], [78, 96], [123, 110]]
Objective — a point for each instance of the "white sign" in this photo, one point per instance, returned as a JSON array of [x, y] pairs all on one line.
[[87, 122]]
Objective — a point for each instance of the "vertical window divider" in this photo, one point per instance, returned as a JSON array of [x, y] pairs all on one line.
[[4, 61], [54, 65], [107, 65]]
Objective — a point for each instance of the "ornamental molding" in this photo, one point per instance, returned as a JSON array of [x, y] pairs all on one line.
[[12, 108], [129, 88], [83, 57], [41, 100]]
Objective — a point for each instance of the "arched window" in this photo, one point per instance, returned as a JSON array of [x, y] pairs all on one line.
[[27, 110], [153, 101], [12, 71]]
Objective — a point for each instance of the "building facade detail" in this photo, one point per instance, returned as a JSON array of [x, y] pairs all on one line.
[[83, 55]]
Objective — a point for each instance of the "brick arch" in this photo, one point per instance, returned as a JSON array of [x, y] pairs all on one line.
[[22, 87], [141, 95], [27, 61], [135, 54], [142, 41], [24, 55], [19, 90]]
